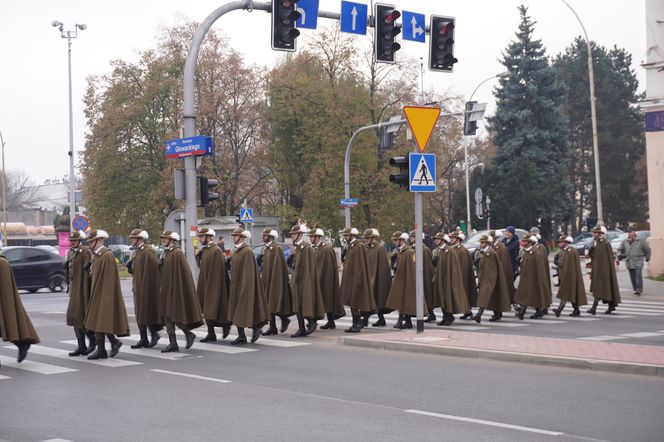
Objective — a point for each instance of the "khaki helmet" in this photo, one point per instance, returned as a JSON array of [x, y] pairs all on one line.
[[97, 234], [77, 235], [139, 233], [170, 235], [350, 231], [205, 232]]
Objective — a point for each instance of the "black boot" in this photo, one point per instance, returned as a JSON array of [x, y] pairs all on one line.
[[211, 335], [497, 316], [22, 350], [408, 324], [576, 311], [256, 333], [467, 315], [301, 331], [557, 311], [190, 338], [311, 325], [329, 325], [521, 311], [115, 344], [284, 324], [399, 324], [81, 349], [154, 337], [357, 324], [226, 329], [611, 309], [448, 319], [592, 310], [92, 345], [272, 330], [143, 342], [538, 314], [365, 319], [380, 322], [241, 337], [172, 344], [478, 316], [431, 317], [100, 353]]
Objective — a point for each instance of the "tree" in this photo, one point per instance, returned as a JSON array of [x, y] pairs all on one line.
[[529, 174], [620, 133], [21, 190]]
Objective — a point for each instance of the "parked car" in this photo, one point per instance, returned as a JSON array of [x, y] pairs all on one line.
[[583, 245], [256, 248], [51, 249], [615, 242], [472, 243], [35, 268], [122, 252]]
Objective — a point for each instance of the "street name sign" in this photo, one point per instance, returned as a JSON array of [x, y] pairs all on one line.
[[247, 215], [413, 26], [349, 202], [187, 147], [354, 18], [422, 168], [308, 10], [421, 120]]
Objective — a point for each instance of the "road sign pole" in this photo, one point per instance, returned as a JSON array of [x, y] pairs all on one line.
[[419, 268]]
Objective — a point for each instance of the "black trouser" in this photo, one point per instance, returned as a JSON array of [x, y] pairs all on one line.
[[636, 276]]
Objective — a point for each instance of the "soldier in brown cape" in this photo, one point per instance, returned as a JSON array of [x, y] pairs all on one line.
[[274, 277], [181, 306], [534, 286], [427, 269], [493, 293], [447, 283], [247, 305], [571, 280], [78, 280], [603, 280], [467, 272], [307, 296], [15, 324], [381, 275], [402, 292], [356, 290], [213, 285], [106, 314], [144, 267], [328, 277], [505, 262]]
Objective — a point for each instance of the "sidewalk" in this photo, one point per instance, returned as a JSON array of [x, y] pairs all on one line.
[[602, 356]]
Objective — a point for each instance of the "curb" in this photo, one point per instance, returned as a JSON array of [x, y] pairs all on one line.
[[559, 361]]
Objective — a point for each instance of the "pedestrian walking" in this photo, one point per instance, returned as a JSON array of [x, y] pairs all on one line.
[[356, 286], [493, 293], [106, 314], [534, 288], [402, 293], [15, 324], [181, 306], [467, 272], [571, 288], [213, 285], [381, 275], [307, 296], [274, 277], [146, 284], [78, 283], [449, 292], [511, 242], [635, 251], [327, 269], [427, 271], [603, 279]]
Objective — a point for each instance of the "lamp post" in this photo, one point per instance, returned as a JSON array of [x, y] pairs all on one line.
[[72, 177], [593, 117], [4, 193], [465, 152]]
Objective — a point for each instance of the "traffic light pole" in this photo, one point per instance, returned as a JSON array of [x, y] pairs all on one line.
[[419, 268]]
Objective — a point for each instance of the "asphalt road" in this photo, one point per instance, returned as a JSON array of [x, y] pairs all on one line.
[[287, 389]]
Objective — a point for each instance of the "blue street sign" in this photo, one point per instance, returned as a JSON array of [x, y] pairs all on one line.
[[309, 14], [247, 215], [422, 176], [186, 147], [413, 26], [349, 202], [353, 17]]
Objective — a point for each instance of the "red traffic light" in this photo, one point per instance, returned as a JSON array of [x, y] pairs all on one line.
[[446, 28], [392, 16]]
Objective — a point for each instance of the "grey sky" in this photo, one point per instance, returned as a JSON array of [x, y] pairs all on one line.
[[33, 57]]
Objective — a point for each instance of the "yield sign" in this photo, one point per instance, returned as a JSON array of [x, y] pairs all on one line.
[[421, 120]]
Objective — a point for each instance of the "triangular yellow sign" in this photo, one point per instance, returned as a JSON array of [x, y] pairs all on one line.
[[421, 120]]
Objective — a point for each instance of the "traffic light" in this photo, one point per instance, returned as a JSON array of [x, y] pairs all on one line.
[[237, 218], [386, 30], [469, 127], [401, 178], [284, 33], [441, 44], [205, 185]]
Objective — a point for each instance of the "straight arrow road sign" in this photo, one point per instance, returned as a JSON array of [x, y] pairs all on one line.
[[354, 17]]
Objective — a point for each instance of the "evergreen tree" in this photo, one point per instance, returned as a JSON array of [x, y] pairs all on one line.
[[529, 174]]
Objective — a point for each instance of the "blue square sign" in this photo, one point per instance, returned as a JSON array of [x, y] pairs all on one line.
[[353, 17], [247, 215], [422, 176], [413, 26]]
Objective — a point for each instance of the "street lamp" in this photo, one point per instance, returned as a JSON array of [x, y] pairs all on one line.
[[72, 178], [465, 151], [4, 193], [593, 117]]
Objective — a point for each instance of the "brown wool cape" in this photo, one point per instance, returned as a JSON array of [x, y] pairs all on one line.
[[506, 266], [448, 286], [328, 277], [307, 296], [467, 273], [571, 287], [15, 324], [148, 304], [356, 279], [534, 288], [106, 310], [493, 293], [428, 271], [247, 306], [275, 281], [603, 281], [402, 293], [79, 285], [213, 285], [181, 304], [381, 275]]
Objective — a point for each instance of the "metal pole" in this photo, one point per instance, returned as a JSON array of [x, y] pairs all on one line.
[[593, 118], [419, 268], [4, 194], [72, 179]]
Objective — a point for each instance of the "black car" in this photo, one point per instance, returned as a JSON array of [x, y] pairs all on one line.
[[36, 268]]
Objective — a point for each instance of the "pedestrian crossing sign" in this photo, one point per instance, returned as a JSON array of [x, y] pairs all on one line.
[[422, 176], [247, 215]]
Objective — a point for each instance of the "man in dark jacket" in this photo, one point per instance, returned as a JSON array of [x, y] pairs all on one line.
[[511, 241]]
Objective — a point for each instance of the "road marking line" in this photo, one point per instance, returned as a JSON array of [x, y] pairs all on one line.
[[151, 353], [602, 338], [641, 334], [218, 348], [36, 367], [485, 422], [193, 376], [64, 354], [261, 340], [56, 440], [636, 312]]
